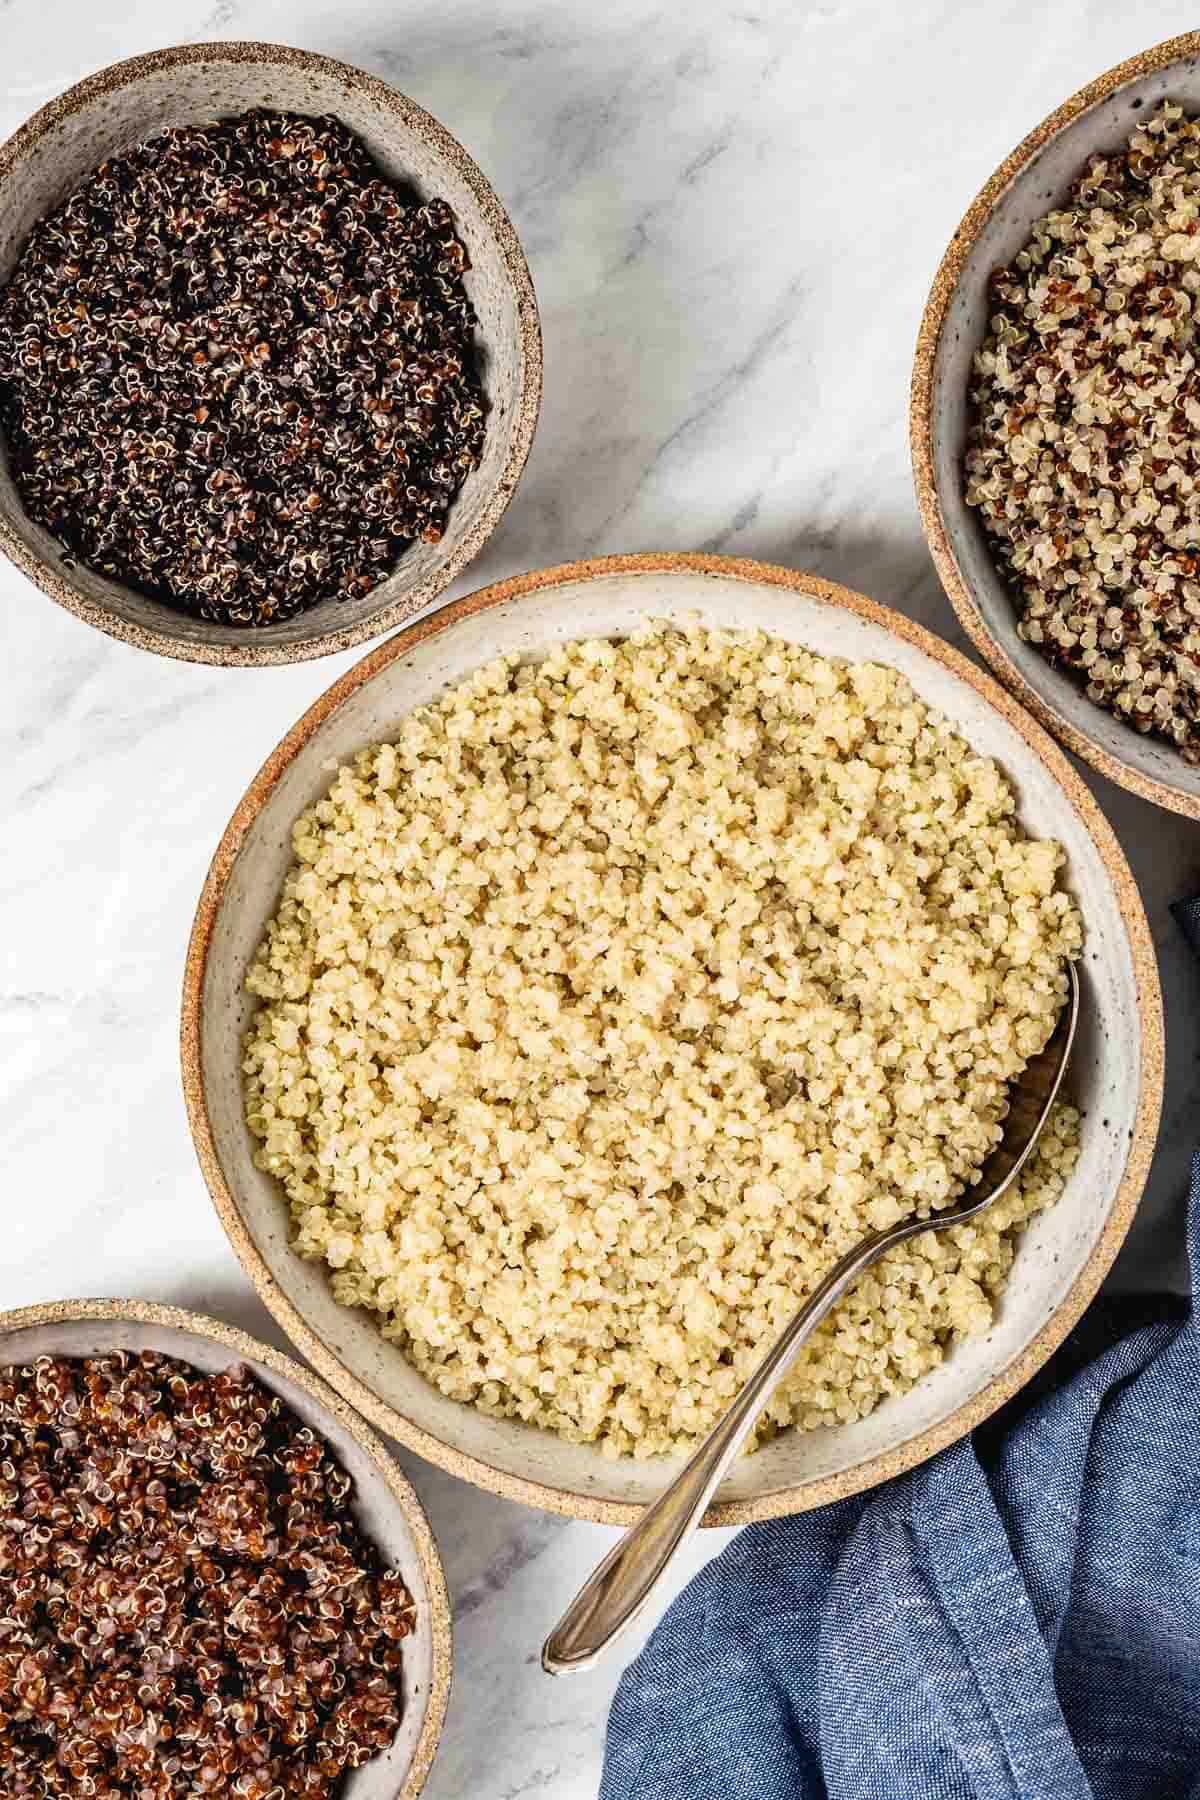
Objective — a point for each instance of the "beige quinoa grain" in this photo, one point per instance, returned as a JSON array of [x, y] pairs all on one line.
[[1084, 453], [617, 997]]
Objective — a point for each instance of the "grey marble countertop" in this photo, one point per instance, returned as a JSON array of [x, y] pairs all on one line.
[[732, 212]]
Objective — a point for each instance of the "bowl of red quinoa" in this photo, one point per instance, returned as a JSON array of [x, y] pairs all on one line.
[[270, 360], [212, 1575], [1054, 426]]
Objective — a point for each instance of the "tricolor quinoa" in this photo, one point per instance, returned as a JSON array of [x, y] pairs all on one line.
[[1084, 453]]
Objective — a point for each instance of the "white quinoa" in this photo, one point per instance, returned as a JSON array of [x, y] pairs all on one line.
[[1084, 453], [621, 994]]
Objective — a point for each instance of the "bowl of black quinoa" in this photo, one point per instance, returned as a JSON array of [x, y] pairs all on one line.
[[1055, 423], [270, 361], [213, 1576]]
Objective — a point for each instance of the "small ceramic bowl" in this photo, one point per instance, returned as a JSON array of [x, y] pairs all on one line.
[[116, 109], [1028, 184], [1116, 1073], [386, 1508]]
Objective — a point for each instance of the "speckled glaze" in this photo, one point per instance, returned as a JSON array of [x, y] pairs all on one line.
[[1116, 1074], [1028, 184], [116, 109], [385, 1506]]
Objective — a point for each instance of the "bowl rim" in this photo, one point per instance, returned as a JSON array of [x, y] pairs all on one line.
[[920, 422], [230, 1337], [247, 650], [817, 1491]]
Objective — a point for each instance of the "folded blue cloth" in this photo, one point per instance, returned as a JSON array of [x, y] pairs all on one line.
[[1018, 1619]]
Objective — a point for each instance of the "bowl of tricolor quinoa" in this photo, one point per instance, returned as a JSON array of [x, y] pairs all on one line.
[[597, 962], [1055, 423]]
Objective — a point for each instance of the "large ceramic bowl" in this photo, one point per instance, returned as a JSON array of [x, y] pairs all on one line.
[[1116, 1073], [386, 1508], [118, 108], [1028, 184]]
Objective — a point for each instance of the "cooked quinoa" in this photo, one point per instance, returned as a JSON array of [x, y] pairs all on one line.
[[1084, 454], [623, 992]]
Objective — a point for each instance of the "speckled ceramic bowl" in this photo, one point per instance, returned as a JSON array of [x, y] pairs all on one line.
[[1031, 181], [385, 1506], [1116, 1072], [118, 108]]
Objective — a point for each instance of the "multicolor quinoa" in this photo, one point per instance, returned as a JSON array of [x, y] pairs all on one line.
[[187, 1607], [237, 369], [619, 995], [1084, 452]]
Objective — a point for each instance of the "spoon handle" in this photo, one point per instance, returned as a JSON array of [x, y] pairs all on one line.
[[634, 1567], [626, 1580]]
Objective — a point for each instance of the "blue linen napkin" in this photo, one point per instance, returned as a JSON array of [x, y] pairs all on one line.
[[1018, 1619]]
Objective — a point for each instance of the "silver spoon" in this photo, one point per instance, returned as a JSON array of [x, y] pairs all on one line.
[[625, 1581]]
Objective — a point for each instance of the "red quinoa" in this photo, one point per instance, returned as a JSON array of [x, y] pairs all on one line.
[[187, 1607]]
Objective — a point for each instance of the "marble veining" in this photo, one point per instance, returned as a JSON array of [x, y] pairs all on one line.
[[732, 214]]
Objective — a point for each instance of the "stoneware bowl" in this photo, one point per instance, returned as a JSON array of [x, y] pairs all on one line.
[[385, 1506], [1116, 1073], [115, 110], [1028, 184]]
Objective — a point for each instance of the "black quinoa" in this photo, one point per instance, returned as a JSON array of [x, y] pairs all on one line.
[[186, 1604], [237, 369]]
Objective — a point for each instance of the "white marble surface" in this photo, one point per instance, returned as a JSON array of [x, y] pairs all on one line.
[[732, 211]]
